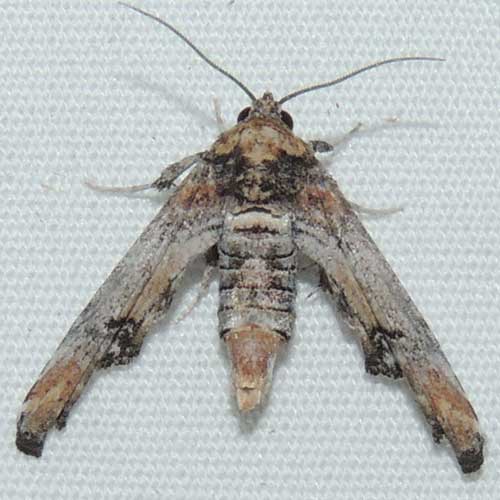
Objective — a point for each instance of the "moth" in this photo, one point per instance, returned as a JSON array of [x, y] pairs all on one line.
[[251, 204]]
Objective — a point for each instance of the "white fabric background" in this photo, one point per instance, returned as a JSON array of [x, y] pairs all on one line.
[[93, 90]]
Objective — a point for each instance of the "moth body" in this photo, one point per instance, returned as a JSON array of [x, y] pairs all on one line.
[[256, 199], [256, 163]]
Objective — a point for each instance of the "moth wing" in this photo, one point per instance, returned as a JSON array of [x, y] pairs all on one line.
[[110, 330], [395, 337]]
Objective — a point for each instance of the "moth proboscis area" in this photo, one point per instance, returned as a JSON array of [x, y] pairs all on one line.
[[253, 201]]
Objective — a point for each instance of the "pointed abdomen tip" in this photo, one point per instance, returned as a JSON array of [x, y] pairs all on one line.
[[253, 351]]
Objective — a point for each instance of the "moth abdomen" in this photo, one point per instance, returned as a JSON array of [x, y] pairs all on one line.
[[257, 261]]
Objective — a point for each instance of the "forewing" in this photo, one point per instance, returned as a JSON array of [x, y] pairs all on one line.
[[395, 338], [139, 290]]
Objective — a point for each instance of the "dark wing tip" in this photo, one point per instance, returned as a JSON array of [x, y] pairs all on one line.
[[29, 443], [471, 460]]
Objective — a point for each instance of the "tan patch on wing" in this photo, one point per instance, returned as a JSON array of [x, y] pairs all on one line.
[[49, 395], [316, 201], [316, 198], [354, 296], [451, 408], [261, 139], [196, 195]]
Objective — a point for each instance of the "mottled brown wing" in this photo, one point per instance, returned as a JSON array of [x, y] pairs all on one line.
[[110, 330], [395, 338]]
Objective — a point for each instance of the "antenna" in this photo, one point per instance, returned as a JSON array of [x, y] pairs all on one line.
[[354, 73], [193, 46]]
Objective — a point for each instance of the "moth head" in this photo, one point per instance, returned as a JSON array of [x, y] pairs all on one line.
[[267, 107]]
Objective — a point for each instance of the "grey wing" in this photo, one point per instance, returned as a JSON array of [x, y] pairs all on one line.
[[110, 330], [395, 338]]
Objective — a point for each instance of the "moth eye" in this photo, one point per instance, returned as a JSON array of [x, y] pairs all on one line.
[[287, 119], [243, 114]]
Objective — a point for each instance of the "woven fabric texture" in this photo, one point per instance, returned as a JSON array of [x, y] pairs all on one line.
[[92, 90]]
